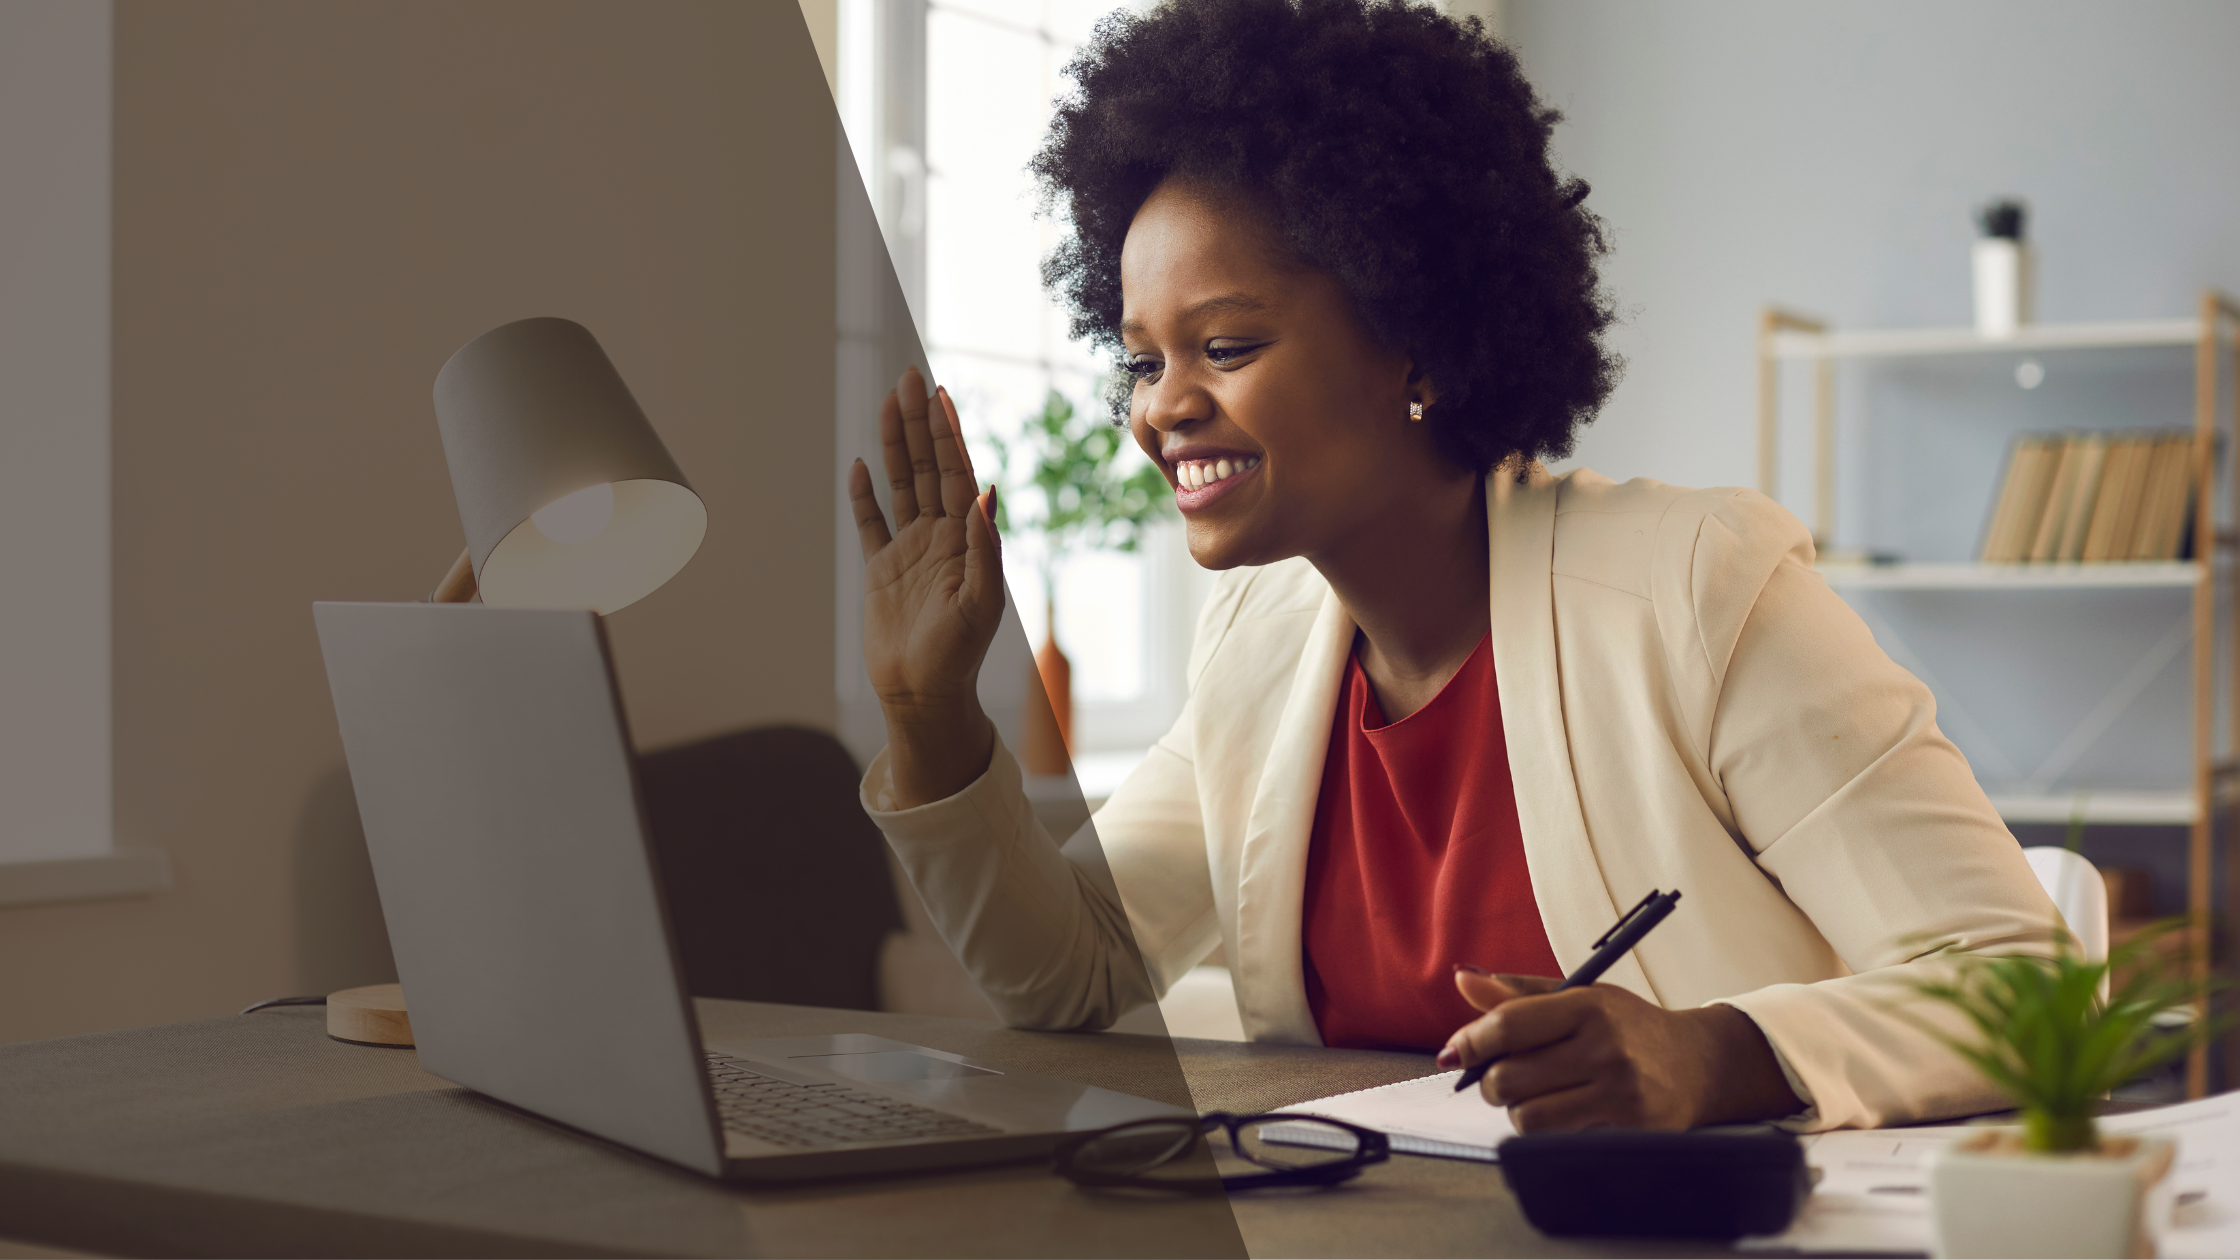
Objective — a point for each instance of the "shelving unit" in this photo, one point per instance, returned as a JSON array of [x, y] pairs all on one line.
[[2172, 808], [1788, 336], [2010, 577]]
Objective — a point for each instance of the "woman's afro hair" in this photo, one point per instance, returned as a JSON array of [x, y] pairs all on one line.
[[1393, 148]]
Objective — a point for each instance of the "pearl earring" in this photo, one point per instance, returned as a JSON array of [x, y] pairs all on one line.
[[1415, 411]]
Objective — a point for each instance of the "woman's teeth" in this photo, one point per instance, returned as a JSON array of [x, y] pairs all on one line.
[[1197, 474]]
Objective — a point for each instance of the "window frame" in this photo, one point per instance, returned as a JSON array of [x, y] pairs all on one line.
[[881, 88], [56, 766]]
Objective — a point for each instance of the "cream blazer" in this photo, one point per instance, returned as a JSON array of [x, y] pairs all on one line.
[[1686, 705]]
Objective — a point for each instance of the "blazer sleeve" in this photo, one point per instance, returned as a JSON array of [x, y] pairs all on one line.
[[1073, 936], [1866, 817]]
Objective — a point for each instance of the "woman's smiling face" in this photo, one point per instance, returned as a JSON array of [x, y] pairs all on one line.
[[1281, 425]]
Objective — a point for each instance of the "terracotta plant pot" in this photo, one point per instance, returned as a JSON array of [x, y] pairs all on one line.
[[1991, 1197], [1046, 727]]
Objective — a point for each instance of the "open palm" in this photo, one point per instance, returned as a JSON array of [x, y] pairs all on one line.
[[933, 584]]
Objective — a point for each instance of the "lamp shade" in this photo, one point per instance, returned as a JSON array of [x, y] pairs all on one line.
[[568, 497]]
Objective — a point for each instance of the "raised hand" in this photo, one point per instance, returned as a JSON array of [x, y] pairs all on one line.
[[933, 594]]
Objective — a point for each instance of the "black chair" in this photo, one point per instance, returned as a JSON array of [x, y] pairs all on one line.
[[777, 883]]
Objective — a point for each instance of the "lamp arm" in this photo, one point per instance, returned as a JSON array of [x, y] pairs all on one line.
[[457, 586]]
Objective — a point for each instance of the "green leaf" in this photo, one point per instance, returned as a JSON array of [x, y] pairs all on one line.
[[1081, 499], [2042, 1034]]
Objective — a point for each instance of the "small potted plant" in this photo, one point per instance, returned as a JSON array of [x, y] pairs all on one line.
[[2043, 1032], [1082, 501]]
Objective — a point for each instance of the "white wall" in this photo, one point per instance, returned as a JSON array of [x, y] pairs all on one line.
[[1827, 156], [314, 205]]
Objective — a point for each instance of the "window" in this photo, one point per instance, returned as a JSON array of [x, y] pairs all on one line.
[[55, 835], [957, 207]]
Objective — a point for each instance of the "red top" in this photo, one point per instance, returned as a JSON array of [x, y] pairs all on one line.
[[1416, 864]]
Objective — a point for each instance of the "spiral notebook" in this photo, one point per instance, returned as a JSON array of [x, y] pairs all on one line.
[[1423, 1117]]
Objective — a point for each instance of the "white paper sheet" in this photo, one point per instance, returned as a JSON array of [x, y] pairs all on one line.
[[2207, 1175], [1873, 1192], [1423, 1117]]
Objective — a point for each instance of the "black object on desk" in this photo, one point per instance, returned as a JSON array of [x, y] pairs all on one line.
[[764, 853], [1612, 946], [1637, 1182]]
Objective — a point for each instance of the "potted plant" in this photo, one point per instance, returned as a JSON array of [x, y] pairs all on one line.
[[1082, 502], [2049, 1032]]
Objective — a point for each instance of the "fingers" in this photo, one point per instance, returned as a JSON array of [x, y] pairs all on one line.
[[1523, 1023], [1567, 1064], [917, 435], [987, 499], [954, 463], [1485, 990], [894, 452], [983, 567], [949, 408], [871, 524], [1579, 1107], [1481, 990]]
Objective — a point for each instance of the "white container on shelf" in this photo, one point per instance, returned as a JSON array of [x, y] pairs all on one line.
[[2003, 286]]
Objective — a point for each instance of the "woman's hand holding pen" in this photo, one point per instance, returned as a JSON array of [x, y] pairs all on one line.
[[933, 593], [1599, 1055]]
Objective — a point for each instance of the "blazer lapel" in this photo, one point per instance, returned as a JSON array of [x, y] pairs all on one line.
[[1271, 981], [1575, 904]]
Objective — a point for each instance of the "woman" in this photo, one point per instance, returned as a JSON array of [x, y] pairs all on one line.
[[1449, 715]]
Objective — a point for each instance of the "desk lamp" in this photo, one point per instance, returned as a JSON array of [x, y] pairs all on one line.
[[568, 497], [569, 501]]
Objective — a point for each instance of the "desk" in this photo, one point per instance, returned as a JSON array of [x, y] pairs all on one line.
[[257, 1135]]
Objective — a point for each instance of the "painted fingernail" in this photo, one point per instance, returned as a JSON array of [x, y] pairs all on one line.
[[1475, 971], [1449, 1058]]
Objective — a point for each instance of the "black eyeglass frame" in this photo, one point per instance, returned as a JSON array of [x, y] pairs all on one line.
[[1374, 1148]]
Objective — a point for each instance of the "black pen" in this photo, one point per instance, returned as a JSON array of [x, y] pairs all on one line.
[[1624, 935]]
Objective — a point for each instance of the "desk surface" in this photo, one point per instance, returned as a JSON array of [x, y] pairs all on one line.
[[257, 1135]]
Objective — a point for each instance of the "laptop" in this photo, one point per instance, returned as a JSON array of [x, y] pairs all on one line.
[[494, 773]]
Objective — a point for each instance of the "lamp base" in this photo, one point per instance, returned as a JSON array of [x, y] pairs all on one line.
[[458, 585], [373, 1015]]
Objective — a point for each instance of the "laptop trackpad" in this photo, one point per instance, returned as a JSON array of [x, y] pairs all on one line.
[[892, 1066]]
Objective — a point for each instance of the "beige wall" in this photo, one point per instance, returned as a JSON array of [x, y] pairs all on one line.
[[315, 204]]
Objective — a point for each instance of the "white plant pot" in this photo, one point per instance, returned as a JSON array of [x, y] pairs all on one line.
[[2003, 287], [1990, 1198]]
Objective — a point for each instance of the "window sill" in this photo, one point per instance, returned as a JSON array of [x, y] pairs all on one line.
[[1092, 781], [122, 873], [1064, 802], [1099, 773]]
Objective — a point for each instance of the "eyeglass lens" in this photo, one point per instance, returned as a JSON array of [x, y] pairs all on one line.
[[1156, 1149]]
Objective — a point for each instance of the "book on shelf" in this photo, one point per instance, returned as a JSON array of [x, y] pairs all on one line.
[[2061, 536], [2022, 497], [2094, 497], [2116, 491]]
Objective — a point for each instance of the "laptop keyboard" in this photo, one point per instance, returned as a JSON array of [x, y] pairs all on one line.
[[822, 1115]]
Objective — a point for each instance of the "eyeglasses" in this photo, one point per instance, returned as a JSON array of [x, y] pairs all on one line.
[[1280, 1149]]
